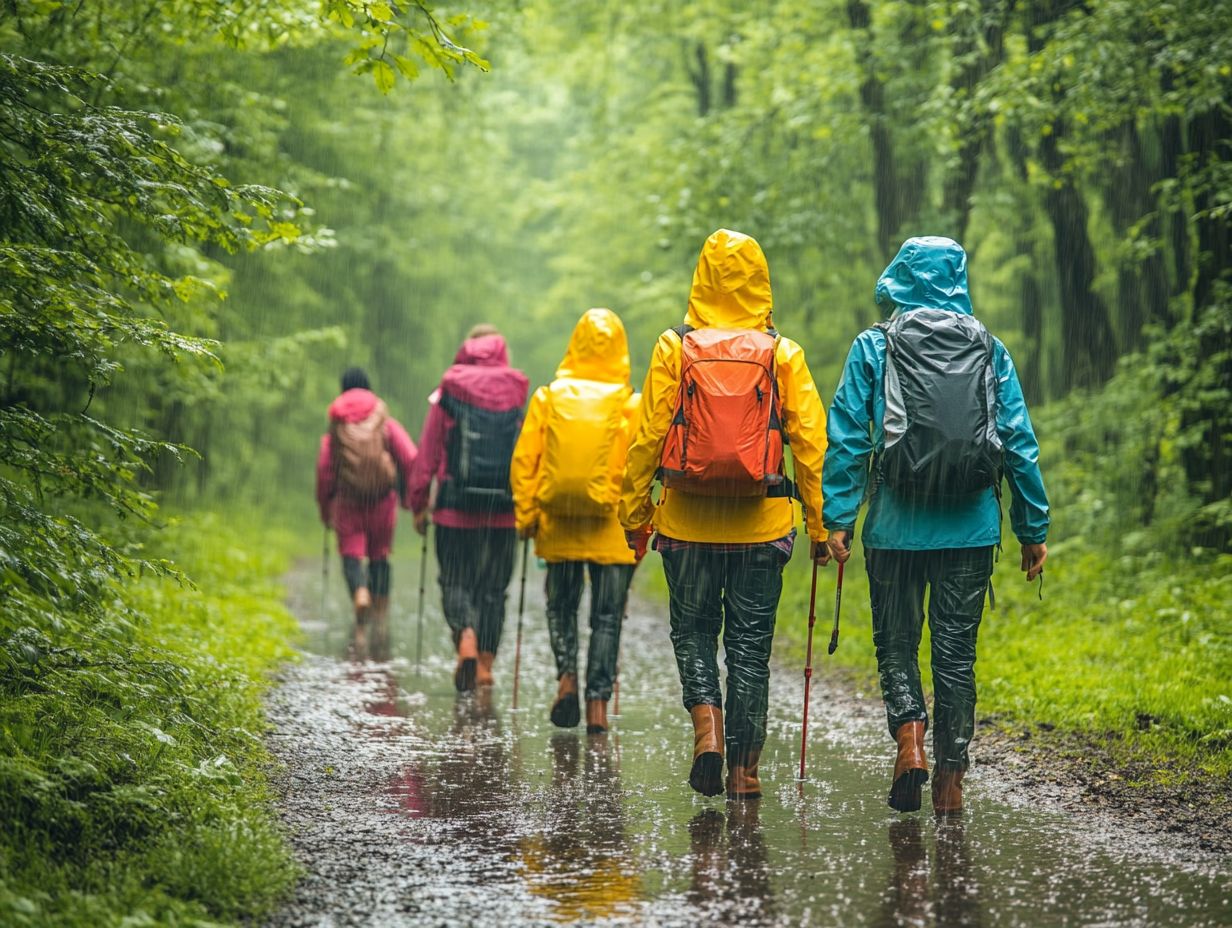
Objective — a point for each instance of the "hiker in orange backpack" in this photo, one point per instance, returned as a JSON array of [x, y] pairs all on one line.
[[723, 393], [362, 470], [566, 474]]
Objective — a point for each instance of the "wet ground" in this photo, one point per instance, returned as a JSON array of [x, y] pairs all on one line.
[[410, 805]]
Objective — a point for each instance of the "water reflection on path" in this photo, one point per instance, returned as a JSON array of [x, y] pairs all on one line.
[[498, 818]]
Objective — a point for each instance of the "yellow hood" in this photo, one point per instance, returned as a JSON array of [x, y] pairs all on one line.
[[598, 349], [731, 286]]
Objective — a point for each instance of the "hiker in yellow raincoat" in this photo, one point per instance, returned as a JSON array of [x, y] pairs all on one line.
[[565, 476], [724, 547]]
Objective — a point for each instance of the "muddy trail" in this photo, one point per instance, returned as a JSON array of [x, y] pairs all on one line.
[[409, 805]]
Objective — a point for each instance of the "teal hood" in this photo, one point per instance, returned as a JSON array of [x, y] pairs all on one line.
[[929, 272]]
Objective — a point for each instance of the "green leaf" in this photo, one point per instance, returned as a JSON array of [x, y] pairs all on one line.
[[383, 75], [409, 69]]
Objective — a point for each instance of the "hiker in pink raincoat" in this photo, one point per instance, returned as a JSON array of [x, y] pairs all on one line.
[[363, 469], [466, 447]]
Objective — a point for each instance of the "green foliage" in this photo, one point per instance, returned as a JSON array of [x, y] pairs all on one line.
[[131, 771], [1121, 458]]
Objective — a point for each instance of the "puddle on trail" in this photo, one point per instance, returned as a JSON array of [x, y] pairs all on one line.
[[480, 815]]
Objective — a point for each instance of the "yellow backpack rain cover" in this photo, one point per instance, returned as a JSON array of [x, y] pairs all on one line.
[[583, 428]]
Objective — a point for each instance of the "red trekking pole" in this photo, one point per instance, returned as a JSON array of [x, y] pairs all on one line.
[[517, 650], [808, 667]]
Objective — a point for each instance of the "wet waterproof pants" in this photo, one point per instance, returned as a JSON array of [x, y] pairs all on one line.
[[475, 566], [609, 589], [956, 580], [733, 589]]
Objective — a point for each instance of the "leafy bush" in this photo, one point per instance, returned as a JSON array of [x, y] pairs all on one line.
[[131, 768]]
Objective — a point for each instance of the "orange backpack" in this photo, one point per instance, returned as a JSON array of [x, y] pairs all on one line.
[[364, 468], [726, 436]]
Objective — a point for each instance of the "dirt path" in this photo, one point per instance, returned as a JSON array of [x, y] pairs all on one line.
[[409, 806]]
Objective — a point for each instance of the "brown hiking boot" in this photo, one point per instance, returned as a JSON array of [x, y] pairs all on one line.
[[947, 792], [483, 673], [468, 659], [910, 768], [706, 775], [566, 711], [596, 716], [742, 781]]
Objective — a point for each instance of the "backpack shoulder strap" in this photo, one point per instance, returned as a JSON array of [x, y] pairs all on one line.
[[681, 330]]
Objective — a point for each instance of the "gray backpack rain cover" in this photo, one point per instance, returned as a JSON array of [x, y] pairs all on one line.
[[940, 406]]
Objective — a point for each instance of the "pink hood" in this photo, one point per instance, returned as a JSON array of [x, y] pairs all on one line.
[[353, 406], [481, 375]]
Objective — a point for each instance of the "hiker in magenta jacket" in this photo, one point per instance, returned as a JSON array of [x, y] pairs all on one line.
[[364, 523], [475, 543]]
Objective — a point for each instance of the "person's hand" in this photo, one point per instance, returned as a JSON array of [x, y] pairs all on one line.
[[820, 552], [421, 522], [529, 530], [637, 540], [840, 545], [1033, 557]]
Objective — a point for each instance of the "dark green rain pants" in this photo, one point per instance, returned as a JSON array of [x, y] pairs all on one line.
[[956, 579], [609, 590], [733, 589]]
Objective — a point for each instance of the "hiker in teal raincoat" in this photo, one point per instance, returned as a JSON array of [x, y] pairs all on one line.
[[911, 541]]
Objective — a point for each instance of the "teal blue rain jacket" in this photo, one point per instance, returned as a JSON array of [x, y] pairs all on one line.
[[928, 272]]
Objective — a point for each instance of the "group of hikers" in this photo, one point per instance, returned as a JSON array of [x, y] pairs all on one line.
[[927, 419]]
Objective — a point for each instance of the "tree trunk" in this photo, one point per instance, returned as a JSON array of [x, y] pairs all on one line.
[[978, 54], [1088, 349], [1142, 286], [699, 75]]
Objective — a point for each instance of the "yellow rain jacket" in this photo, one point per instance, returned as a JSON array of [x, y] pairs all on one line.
[[731, 290], [598, 353]]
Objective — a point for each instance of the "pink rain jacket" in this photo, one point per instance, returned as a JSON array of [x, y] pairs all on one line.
[[480, 375], [355, 406]]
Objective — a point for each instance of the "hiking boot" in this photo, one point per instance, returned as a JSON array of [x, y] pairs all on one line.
[[468, 660], [910, 768], [379, 625], [742, 781], [596, 716], [483, 673], [566, 711], [706, 775], [947, 792]]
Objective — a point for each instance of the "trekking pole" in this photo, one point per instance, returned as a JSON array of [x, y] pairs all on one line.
[[423, 571], [517, 650], [808, 668], [324, 568], [838, 602]]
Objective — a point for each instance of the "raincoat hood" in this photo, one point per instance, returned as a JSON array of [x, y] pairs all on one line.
[[598, 349], [731, 286], [929, 272], [486, 351], [354, 405], [481, 375]]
